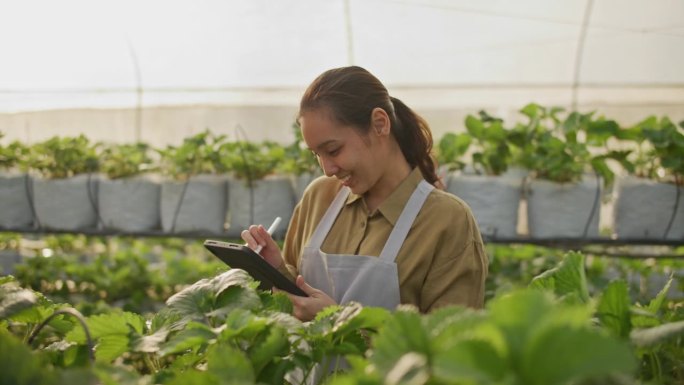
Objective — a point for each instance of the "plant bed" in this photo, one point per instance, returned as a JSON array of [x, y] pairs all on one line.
[[493, 200], [493, 193], [128, 199], [563, 210], [259, 203], [645, 209], [197, 205], [65, 185], [193, 198], [256, 192], [650, 200], [15, 206]]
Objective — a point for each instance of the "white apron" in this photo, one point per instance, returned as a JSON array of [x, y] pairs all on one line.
[[369, 280]]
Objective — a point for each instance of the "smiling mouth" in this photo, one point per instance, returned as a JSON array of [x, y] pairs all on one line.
[[345, 180]]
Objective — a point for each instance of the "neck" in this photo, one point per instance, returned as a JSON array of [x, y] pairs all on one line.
[[388, 182]]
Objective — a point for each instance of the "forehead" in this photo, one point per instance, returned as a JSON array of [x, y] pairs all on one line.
[[319, 128]]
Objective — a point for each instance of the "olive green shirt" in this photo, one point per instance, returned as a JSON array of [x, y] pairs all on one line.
[[441, 262]]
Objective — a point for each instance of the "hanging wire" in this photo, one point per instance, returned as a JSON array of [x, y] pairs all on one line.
[[580, 53], [675, 209], [138, 91], [350, 33]]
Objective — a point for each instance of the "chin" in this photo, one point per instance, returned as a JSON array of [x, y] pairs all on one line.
[[357, 190]]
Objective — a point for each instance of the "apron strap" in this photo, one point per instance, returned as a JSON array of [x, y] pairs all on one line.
[[405, 221], [329, 218]]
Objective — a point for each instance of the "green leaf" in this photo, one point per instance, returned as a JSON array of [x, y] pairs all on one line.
[[475, 127], [194, 336], [657, 303], [531, 110], [148, 343], [414, 339], [354, 316], [614, 309], [516, 314], [110, 347], [561, 355], [204, 298], [450, 325], [264, 350], [656, 335], [14, 299], [196, 377], [114, 375], [77, 376], [410, 368], [451, 148], [19, 366], [228, 363], [243, 324], [107, 325], [568, 278], [470, 360]]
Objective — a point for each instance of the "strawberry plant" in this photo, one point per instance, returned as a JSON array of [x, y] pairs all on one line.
[[298, 159], [198, 154], [450, 150], [13, 156], [58, 158], [125, 160], [492, 154], [251, 161]]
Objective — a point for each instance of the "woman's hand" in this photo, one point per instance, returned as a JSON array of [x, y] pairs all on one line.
[[306, 308], [257, 236]]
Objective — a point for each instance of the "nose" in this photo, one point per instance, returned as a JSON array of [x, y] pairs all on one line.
[[328, 166]]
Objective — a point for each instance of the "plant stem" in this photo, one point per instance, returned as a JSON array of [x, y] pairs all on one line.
[[79, 317]]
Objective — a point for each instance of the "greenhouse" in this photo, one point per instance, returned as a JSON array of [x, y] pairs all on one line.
[[534, 236]]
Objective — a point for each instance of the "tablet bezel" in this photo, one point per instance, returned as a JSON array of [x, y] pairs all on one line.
[[239, 256]]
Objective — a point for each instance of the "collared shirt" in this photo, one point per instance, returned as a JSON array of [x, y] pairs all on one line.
[[442, 261]]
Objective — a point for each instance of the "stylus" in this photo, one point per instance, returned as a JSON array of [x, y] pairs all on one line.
[[270, 231]]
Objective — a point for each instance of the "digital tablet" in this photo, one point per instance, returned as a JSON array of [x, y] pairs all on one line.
[[242, 257]]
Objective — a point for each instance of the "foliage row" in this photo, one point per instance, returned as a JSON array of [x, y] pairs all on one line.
[[560, 146], [551, 144], [222, 330], [203, 153]]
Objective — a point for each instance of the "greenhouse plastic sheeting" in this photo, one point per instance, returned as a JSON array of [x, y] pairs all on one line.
[[434, 53]]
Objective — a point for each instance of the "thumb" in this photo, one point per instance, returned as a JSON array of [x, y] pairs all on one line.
[[301, 283]]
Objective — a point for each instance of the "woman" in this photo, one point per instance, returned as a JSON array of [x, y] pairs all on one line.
[[374, 229]]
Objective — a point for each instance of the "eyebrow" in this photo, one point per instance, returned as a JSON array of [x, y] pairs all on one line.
[[323, 144]]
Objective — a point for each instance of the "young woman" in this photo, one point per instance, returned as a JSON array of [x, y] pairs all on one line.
[[374, 229]]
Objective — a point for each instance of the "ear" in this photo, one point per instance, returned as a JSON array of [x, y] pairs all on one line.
[[380, 122]]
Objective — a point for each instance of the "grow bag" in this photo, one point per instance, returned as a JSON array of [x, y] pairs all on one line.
[[129, 204], [494, 201], [260, 204], [644, 209], [197, 205], [66, 204], [563, 210], [15, 206]]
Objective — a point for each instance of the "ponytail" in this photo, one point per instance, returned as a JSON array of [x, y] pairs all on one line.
[[415, 140]]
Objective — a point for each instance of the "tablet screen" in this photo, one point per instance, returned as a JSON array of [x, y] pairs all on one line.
[[242, 257]]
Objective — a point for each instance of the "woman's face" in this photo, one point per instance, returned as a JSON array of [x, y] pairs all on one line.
[[342, 151]]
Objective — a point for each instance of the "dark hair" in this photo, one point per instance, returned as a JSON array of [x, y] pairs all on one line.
[[351, 94]]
